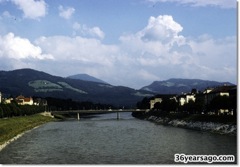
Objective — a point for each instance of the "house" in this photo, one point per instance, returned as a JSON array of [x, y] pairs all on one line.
[[218, 91], [159, 98], [154, 101], [207, 90], [181, 100], [7, 100], [21, 100], [185, 98]]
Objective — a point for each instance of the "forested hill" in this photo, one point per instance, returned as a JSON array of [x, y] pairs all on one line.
[[178, 86], [29, 82], [86, 77]]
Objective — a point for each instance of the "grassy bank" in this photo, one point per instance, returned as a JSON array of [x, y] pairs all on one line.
[[11, 127]]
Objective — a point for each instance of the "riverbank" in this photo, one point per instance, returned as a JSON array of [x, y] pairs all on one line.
[[213, 124], [13, 128], [201, 126]]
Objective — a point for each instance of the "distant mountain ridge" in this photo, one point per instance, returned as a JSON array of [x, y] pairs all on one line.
[[179, 85], [86, 77], [29, 82]]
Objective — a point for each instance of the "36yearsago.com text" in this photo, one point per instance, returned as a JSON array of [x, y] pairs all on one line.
[[183, 158]]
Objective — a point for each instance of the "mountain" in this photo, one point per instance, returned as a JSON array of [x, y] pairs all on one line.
[[86, 77], [177, 86], [30, 82]]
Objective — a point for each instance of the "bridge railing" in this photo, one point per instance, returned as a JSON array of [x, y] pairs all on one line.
[[100, 111], [78, 112]]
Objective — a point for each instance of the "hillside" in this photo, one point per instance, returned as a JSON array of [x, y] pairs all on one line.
[[30, 82], [177, 86], [86, 77]]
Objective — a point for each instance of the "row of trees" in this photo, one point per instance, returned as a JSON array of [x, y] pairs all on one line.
[[13, 109], [54, 104]]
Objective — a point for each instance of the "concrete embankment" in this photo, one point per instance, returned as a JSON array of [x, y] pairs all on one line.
[[220, 128], [13, 128]]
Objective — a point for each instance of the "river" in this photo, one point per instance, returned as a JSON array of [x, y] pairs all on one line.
[[104, 140]]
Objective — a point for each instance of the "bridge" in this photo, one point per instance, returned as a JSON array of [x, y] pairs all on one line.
[[78, 112]]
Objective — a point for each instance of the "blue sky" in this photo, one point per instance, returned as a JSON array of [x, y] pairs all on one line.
[[128, 42]]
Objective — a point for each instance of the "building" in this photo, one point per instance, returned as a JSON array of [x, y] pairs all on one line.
[[154, 101], [7, 100], [181, 100], [186, 98], [229, 91], [159, 98], [218, 91], [21, 100]]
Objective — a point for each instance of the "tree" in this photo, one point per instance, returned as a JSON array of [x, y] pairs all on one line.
[[158, 106], [166, 105], [1, 112], [144, 104], [169, 105], [190, 107], [199, 105], [15, 109], [6, 110]]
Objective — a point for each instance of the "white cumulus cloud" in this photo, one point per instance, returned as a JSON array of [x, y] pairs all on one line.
[[66, 13], [156, 43], [138, 59], [83, 50], [32, 9], [162, 28], [162, 51], [142, 57], [15, 47], [88, 31]]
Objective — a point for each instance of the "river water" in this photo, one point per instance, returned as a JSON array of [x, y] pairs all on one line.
[[105, 140]]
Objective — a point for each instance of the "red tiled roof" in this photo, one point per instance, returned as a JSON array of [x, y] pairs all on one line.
[[27, 99]]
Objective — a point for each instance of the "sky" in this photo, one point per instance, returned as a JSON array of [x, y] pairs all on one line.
[[123, 42]]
